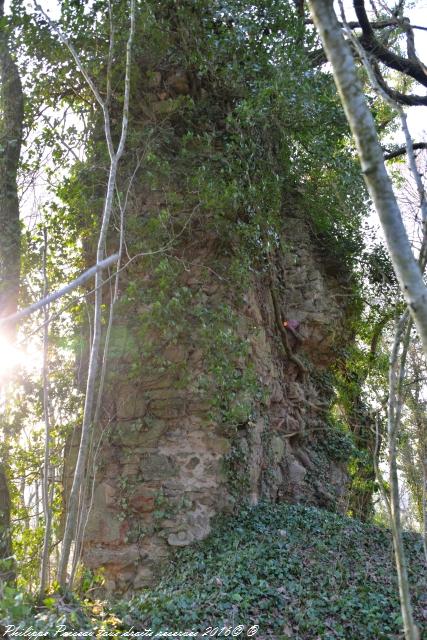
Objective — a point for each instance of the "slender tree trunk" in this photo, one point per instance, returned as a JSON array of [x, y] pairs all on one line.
[[394, 414], [26, 507], [12, 110], [71, 525], [37, 502], [44, 567], [86, 503], [407, 269], [80, 469], [6, 564], [362, 124], [424, 463]]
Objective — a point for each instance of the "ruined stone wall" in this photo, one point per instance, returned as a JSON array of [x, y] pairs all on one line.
[[167, 468]]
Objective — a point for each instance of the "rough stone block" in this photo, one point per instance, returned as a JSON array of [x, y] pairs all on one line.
[[157, 466], [167, 408]]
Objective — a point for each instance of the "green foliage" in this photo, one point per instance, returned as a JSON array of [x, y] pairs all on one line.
[[296, 572], [231, 381], [51, 618], [337, 442]]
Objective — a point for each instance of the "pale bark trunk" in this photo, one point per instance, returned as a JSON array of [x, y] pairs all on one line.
[[409, 145], [394, 412], [90, 483], [371, 157], [424, 463], [71, 524], [80, 469], [47, 510], [407, 270]]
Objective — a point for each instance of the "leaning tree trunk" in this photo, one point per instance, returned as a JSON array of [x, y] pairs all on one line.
[[360, 119], [11, 117], [406, 267]]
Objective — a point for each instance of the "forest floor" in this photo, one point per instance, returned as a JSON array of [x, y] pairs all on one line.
[[274, 571]]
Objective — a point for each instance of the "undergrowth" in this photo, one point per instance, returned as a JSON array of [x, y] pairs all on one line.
[[293, 571]]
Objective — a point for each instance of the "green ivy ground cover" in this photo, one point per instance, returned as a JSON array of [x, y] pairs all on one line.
[[296, 572], [293, 571]]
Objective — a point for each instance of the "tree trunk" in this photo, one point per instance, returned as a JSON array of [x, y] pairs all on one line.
[[407, 269], [424, 463], [47, 507], [12, 112], [74, 501], [394, 413], [371, 156], [6, 570]]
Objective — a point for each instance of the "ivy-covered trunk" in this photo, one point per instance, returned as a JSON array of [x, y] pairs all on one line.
[[11, 117], [10, 145]]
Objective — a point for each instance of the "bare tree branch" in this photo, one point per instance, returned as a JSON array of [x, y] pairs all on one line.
[[400, 151], [317, 58], [408, 99], [396, 377], [377, 24], [63, 38], [409, 273], [368, 40], [23, 313], [397, 108]]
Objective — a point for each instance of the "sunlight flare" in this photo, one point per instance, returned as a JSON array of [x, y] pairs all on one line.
[[13, 357]]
